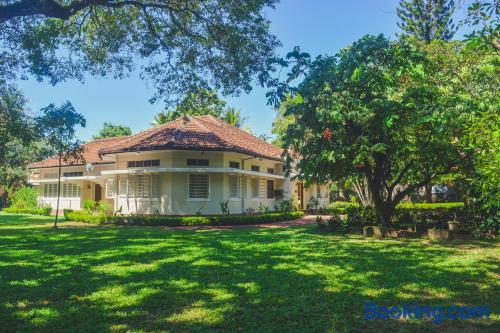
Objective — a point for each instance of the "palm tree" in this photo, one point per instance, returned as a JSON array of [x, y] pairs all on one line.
[[232, 116], [160, 118]]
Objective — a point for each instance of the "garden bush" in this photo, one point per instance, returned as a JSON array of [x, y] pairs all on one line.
[[45, 211], [339, 207], [422, 216], [84, 216], [25, 197], [162, 220]]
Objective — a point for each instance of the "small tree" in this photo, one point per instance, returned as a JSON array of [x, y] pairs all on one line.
[[59, 124], [233, 116], [110, 130], [427, 20]]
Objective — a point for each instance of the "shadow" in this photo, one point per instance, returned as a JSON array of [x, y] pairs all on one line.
[[251, 280]]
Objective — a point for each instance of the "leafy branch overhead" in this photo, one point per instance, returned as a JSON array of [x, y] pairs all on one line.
[[178, 44]]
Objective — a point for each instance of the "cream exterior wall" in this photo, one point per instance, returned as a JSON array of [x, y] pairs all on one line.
[[173, 186]]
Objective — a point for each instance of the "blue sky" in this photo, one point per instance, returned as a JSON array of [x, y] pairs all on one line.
[[317, 26]]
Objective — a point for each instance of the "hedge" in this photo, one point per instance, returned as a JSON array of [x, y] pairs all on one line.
[[162, 220], [84, 216], [339, 207], [45, 211], [422, 216]]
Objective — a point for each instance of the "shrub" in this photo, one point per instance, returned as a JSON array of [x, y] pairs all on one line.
[[104, 208], [44, 211], [224, 207], [84, 216], [89, 205], [339, 207], [25, 197], [183, 220], [422, 216], [66, 211]]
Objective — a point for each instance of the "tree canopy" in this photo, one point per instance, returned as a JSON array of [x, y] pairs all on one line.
[[196, 102], [427, 20], [179, 44], [391, 112], [110, 130]]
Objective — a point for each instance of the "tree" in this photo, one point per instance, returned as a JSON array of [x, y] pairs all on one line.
[[281, 122], [110, 130], [233, 117], [482, 16], [183, 43], [377, 111], [196, 102], [18, 144], [161, 118], [427, 20], [59, 125]]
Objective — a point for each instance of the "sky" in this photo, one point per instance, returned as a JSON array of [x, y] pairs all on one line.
[[317, 26]]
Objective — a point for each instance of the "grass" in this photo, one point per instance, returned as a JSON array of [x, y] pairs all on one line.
[[140, 279]]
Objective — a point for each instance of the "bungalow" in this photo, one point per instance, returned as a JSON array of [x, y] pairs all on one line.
[[184, 167]]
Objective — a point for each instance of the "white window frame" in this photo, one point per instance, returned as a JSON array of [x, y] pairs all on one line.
[[146, 186], [188, 185], [232, 195], [50, 190], [318, 192], [255, 185], [110, 189], [70, 190]]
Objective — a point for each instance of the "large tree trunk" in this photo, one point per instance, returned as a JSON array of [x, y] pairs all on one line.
[[428, 193], [384, 211]]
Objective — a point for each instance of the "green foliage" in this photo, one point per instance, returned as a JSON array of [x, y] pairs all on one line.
[[392, 113], [25, 197], [483, 18], [85, 216], [110, 130], [216, 43], [285, 206], [421, 216], [104, 208], [281, 122], [233, 117], [21, 141], [161, 118], [44, 211], [183, 220], [224, 207], [89, 205], [198, 102], [427, 20], [66, 211], [339, 207], [263, 208]]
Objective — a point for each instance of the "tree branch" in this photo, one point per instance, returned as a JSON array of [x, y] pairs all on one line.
[[53, 9], [48, 8]]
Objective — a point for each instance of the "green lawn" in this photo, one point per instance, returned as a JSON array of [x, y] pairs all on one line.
[[99, 279]]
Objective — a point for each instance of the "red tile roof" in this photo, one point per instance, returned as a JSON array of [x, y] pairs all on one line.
[[185, 133], [90, 154], [196, 133]]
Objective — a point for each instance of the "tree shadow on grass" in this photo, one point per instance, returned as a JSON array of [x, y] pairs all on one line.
[[286, 280]]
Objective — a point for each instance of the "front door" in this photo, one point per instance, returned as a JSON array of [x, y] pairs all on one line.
[[98, 192]]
